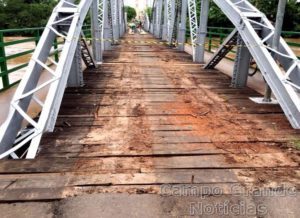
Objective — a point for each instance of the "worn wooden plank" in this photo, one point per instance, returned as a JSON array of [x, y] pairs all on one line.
[[135, 163], [149, 117]]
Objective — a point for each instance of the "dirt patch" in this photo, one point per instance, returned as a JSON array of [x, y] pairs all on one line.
[[138, 110]]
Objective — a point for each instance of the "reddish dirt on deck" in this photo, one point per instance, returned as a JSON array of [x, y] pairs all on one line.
[[150, 116]]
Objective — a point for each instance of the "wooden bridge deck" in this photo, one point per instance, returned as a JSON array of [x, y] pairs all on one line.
[[150, 116]]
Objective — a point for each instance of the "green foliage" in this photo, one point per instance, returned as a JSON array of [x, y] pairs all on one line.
[[131, 13], [148, 11], [269, 7], [25, 13], [296, 143], [292, 12], [35, 13], [217, 18]]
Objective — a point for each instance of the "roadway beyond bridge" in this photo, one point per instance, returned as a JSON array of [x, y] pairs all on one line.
[[146, 118]]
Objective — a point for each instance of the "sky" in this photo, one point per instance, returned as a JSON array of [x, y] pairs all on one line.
[[142, 3]]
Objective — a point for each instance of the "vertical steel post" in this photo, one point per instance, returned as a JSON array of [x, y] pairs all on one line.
[[114, 16], [182, 28], [120, 23], [3, 63], [159, 5], [96, 33], [165, 24], [76, 74], [202, 31], [276, 40], [193, 24], [152, 19], [241, 66], [171, 19], [106, 26]]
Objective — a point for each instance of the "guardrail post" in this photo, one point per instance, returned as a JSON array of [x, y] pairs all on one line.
[[37, 36], [221, 39], [3, 63], [210, 42], [56, 56]]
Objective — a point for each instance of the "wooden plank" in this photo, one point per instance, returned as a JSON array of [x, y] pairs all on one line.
[[23, 195], [132, 164], [35, 181]]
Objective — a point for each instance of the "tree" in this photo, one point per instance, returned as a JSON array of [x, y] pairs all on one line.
[[217, 18], [148, 11], [131, 13], [25, 13], [292, 12], [269, 7]]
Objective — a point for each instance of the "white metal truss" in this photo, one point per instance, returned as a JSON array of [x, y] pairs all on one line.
[[65, 22], [280, 68], [101, 14], [115, 19], [171, 19], [192, 7]]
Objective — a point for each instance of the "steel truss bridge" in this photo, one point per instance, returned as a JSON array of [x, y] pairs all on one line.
[[253, 32]]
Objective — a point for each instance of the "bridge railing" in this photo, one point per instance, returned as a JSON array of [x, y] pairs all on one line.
[[11, 62], [8, 38], [216, 36]]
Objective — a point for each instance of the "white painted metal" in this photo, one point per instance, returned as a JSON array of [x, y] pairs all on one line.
[[165, 24], [66, 22], [182, 27], [171, 19], [115, 19], [121, 17], [97, 35], [56, 83], [202, 31], [193, 24], [107, 30], [75, 78], [157, 29], [241, 65], [147, 23], [280, 68]]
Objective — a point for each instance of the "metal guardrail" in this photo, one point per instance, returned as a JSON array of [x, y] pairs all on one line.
[[32, 35], [216, 35]]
